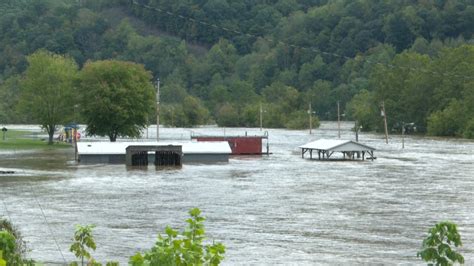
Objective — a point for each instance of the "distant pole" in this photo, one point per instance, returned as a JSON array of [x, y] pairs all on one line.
[[310, 119], [157, 109], [75, 132], [172, 116], [356, 128], [338, 122], [384, 114], [261, 117], [403, 135]]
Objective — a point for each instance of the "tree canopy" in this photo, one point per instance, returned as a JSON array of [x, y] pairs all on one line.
[[116, 98], [47, 90]]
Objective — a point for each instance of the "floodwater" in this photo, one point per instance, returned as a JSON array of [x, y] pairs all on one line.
[[277, 209]]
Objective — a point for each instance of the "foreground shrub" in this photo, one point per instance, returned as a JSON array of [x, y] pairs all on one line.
[[12, 245], [437, 247], [186, 248]]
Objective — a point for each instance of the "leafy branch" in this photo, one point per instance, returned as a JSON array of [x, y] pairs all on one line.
[[186, 248], [437, 246]]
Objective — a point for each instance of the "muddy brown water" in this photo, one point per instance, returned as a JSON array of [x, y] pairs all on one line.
[[277, 209]]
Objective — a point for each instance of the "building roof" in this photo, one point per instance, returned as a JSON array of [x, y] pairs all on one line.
[[91, 148], [336, 145]]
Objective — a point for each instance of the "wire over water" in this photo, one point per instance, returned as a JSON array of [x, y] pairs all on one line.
[[48, 225], [6, 210]]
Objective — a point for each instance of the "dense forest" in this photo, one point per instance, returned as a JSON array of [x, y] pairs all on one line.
[[220, 61]]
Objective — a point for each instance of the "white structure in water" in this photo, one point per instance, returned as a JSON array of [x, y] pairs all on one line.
[[115, 152], [326, 148]]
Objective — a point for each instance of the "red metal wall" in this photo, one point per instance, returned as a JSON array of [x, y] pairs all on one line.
[[239, 145]]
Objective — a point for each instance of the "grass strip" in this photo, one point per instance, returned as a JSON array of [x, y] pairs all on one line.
[[26, 140]]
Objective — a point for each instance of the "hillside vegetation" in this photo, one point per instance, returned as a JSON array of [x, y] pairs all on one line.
[[220, 60]]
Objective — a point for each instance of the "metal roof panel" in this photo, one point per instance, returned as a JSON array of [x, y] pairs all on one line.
[[214, 147], [336, 145]]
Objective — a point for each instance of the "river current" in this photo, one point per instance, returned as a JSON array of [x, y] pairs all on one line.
[[267, 210]]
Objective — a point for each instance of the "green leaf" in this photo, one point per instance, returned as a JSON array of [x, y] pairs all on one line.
[[437, 245]]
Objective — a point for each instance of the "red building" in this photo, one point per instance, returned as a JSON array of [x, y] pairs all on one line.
[[240, 145]]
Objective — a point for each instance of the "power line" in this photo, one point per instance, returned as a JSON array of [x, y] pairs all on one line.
[[45, 219], [234, 31], [48, 225], [6, 210]]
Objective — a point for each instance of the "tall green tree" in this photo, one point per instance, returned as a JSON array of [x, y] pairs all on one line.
[[47, 93], [117, 98], [364, 110]]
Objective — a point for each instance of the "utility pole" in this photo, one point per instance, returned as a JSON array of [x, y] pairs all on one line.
[[157, 109], [356, 129], [75, 132], [384, 114], [261, 117], [403, 135], [338, 122], [310, 119]]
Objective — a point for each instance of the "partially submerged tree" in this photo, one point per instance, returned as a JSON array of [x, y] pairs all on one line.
[[116, 98], [47, 90]]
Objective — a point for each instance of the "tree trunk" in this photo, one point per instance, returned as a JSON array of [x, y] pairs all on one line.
[[113, 137], [50, 130], [50, 139]]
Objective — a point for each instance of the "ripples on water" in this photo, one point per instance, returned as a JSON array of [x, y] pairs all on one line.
[[279, 209]]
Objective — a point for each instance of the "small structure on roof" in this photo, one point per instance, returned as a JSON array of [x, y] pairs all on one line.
[[327, 147]]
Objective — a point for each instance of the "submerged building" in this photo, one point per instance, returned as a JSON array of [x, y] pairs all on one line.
[[349, 149], [157, 152]]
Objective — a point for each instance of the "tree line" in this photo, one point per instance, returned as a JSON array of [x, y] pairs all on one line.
[[113, 98], [220, 60]]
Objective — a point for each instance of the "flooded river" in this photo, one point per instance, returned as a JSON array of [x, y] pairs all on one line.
[[277, 209]]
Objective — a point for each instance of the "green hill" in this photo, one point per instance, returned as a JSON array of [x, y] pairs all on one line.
[[218, 60]]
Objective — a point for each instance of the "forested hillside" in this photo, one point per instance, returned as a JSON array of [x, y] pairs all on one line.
[[219, 60]]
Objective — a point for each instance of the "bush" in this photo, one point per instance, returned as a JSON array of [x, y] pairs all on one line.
[[182, 249], [8, 246], [437, 245], [12, 244], [83, 244]]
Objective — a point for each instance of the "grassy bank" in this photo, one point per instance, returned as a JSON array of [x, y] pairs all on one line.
[[26, 140]]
